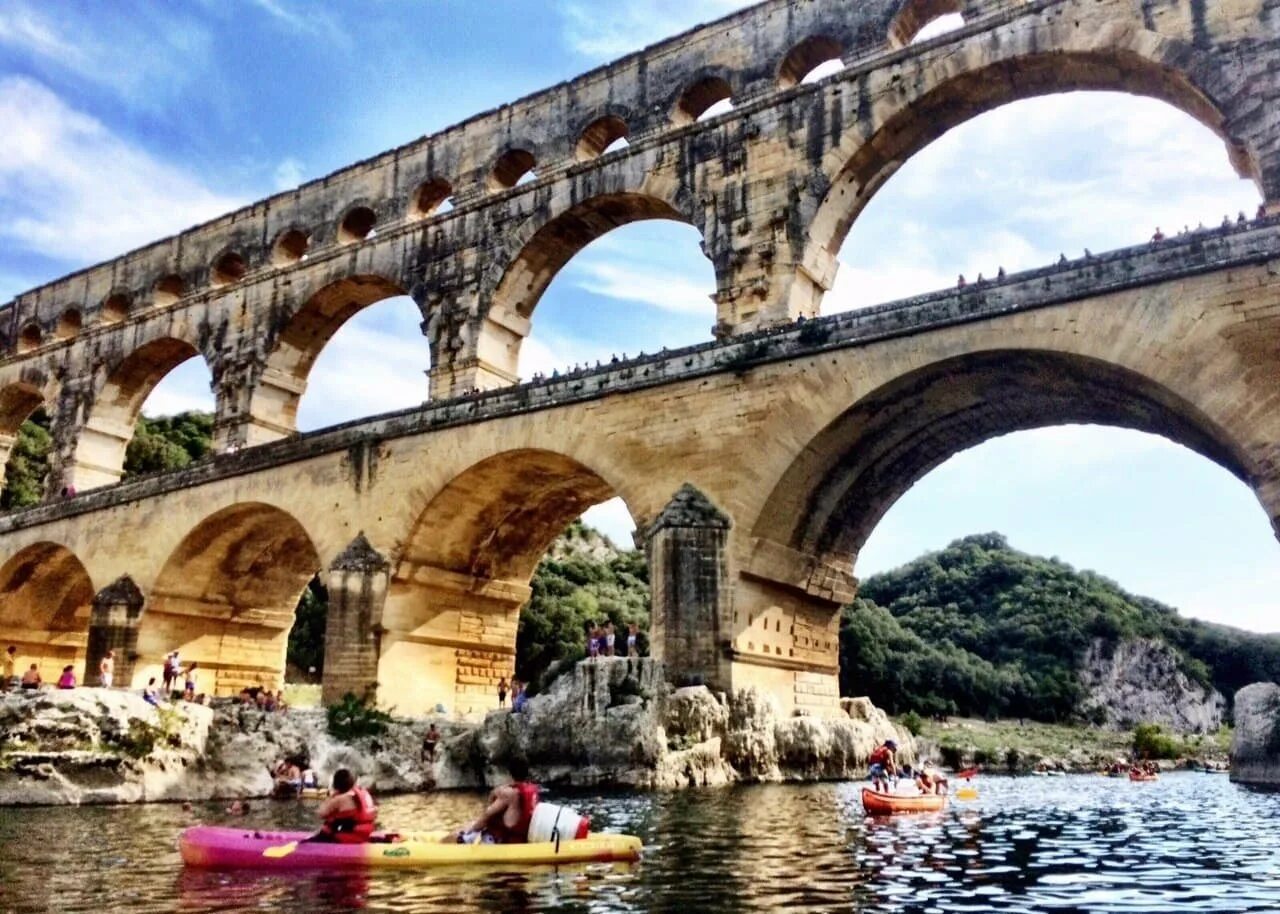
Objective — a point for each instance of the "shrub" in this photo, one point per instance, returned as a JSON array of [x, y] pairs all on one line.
[[1150, 741], [913, 722], [353, 718], [1012, 759], [952, 756]]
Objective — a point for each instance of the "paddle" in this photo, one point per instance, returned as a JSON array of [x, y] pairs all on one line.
[[280, 850]]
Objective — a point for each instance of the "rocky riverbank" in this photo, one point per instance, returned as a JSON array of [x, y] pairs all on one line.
[[1255, 751], [605, 723]]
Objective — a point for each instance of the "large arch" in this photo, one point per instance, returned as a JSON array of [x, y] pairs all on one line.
[[19, 401], [542, 249], [453, 604], [45, 600], [293, 350], [226, 596], [1041, 63], [831, 497], [100, 447]]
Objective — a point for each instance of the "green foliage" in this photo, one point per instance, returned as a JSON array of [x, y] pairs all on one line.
[[28, 469], [913, 722], [354, 718], [306, 638], [983, 630], [140, 741], [583, 579], [1151, 742], [168, 443]]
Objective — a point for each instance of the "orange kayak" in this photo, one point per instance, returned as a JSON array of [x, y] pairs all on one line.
[[886, 804], [1134, 776]]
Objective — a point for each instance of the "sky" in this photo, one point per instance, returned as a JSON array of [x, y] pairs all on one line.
[[130, 121]]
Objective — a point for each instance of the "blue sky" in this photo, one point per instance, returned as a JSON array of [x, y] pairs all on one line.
[[131, 120]]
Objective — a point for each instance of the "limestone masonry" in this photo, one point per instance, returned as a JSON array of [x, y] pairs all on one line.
[[755, 465]]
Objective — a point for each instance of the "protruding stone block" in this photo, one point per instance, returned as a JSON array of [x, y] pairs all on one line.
[[689, 582], [357, 583], [113, 626]]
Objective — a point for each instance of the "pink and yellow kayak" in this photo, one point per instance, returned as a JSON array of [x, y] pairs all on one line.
[[886, 804], [240, 848]]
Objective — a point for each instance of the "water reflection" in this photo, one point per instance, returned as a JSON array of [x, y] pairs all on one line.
[[1187, 843]]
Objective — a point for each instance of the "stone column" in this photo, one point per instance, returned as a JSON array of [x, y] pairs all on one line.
[[113, 626], [357, 582], [689, 583]]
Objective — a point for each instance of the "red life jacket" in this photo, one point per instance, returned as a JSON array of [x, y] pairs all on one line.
[[519, 833], [881, 756], [353, 826]]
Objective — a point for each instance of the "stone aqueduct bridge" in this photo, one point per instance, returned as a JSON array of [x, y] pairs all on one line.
[[756, 465]]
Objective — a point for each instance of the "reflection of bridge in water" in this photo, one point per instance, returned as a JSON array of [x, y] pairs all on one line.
[[756, 466]]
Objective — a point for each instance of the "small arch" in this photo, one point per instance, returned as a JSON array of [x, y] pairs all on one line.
[[920, 20], [817, 51], [229, 268], [707, 97], [69, 324], [511, 168], [357, 224], [115, 308], [601, 136], [17, 403], [290, 247], [430, 196], [168, 289], [30, 338]]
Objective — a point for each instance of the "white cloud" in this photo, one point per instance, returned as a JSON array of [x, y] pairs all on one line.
[[307, 19], [679, 294], [184, 389], [144, 55], [288, 174], [613, 520], [74, 191], [610, 30]]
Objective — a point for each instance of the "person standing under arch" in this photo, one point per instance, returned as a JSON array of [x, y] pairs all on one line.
[[107, 669]]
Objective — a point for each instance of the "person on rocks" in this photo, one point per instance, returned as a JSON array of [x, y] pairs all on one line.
[[170, 671], [31, 678], [633, 636], [348, 816], [189, 687], [518, 697], [884, 765], [149, 694], [10, 680], [430, 740], [68, 678], [288, 778], [609, 639], [593, 644], [502, 692], [107, 669], [507, 813]]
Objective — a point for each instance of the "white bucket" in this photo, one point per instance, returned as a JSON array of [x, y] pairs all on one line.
[[551, 821]]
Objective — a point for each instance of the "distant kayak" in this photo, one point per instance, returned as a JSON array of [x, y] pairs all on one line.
[[1135, 776], [240, 848], [887, 804]]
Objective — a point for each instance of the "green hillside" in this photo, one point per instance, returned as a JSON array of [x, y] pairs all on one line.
[[982, 629]]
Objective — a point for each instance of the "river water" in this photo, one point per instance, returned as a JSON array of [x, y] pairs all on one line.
[[1191, 842]]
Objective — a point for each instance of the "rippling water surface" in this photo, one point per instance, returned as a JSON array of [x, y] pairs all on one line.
[[1191, 842]]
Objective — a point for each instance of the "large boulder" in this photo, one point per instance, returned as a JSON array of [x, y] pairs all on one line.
[[1255, 748], [1141, 680]]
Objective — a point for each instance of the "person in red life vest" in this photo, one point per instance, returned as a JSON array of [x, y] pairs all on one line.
[[507, 813], [884, 765], [349, 813]]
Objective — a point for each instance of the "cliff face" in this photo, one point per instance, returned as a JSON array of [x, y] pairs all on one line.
[[617, 722], [608, 722], [1141, 681], [1255, 747]]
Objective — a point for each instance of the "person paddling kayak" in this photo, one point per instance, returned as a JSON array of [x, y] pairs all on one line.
[[349, 814], [884, 765], [507, 813]]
